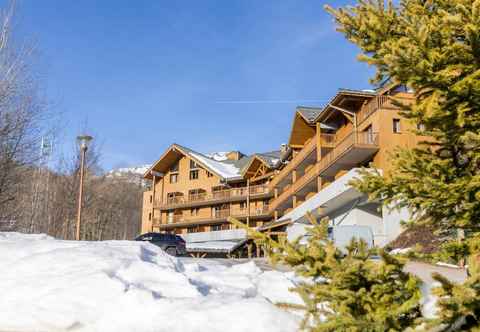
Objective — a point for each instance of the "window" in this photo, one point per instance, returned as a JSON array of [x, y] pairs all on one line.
[[194, 211], [174, 167], [191, 230], [193, 165], [243, 205], [214, 228], [150, 216], [174, 178], [151, 198], [209, 175], [396, 126], [225, 227], [369, 135], [194, 174]]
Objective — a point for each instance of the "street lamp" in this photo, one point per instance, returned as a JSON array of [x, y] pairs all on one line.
[[83, 141]]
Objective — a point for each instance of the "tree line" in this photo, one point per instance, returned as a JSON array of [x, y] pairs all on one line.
[[36, 196]]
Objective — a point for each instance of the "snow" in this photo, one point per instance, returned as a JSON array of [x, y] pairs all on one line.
[[400, 251], [53, 285], [138, 170], [218, 156], [225, 170], [453, 266]]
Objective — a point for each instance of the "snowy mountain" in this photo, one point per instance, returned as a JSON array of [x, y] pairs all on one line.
[[130, 174], [140, 170]]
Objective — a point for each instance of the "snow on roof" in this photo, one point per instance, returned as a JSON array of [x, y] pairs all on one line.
[[218, 156], [225, 170]]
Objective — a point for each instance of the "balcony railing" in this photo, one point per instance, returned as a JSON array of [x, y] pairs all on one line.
[[216, 215], [371, 107], [218, 195], [293, 164], [351, 140]]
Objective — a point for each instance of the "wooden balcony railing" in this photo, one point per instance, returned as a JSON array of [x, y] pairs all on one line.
[[216, 215], [327, 139], [371, 107], [217, 195], [351, 140], [293, 164]]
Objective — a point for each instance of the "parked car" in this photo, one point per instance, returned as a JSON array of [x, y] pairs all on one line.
[[172, 244]]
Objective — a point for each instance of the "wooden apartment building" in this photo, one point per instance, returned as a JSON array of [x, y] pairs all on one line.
[[194, 193]]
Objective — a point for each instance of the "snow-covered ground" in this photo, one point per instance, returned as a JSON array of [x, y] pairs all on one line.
[[53, 285]]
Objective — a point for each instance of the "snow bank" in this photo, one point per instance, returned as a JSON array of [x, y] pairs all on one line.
[[53, 285]]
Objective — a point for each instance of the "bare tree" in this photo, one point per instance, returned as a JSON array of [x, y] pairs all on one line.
[[22, 117]]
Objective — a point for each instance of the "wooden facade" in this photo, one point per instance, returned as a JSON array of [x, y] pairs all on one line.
[[190, 196], [356, 128]]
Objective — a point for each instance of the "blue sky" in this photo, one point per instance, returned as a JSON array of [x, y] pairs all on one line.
[[211, 75]]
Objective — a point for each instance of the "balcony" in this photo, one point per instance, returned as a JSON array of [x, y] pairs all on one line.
[[215, 197], [371, 107], [216, 217], [351, 151], [385, 102], [327, 140]]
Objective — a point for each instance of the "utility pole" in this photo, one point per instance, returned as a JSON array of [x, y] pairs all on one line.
[[83, 141]]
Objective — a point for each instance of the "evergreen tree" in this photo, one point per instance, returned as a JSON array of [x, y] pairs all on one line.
[[433, 47], [346, 291], [459, 304]]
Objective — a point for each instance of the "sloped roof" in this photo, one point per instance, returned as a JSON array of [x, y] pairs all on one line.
[[226, 169], [309, 113]]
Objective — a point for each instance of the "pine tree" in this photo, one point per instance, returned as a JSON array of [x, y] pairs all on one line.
[[433, 47], [459, 304], [346, 291]]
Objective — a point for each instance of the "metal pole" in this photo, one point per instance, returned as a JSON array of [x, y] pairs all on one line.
[[80, 192]]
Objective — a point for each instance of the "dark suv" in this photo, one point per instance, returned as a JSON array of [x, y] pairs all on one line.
[[172, 244]]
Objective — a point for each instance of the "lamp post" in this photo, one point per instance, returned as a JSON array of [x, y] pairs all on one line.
[[83, 141]]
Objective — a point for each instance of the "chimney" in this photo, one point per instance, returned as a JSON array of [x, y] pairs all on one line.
[[234, 155]]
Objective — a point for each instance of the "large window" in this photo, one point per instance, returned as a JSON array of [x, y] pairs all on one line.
[[174, 167], [214, 228], [396, 126], [174, 178], [194, 174]]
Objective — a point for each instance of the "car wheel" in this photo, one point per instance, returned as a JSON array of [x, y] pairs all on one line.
[[171, 251]]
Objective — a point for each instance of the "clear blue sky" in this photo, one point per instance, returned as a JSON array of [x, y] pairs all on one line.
[[211, 75]]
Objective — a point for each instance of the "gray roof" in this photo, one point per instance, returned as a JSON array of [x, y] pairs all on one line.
[[309, 113], [271, 158]]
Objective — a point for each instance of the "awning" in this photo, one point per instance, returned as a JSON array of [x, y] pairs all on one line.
[[214, 246]]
